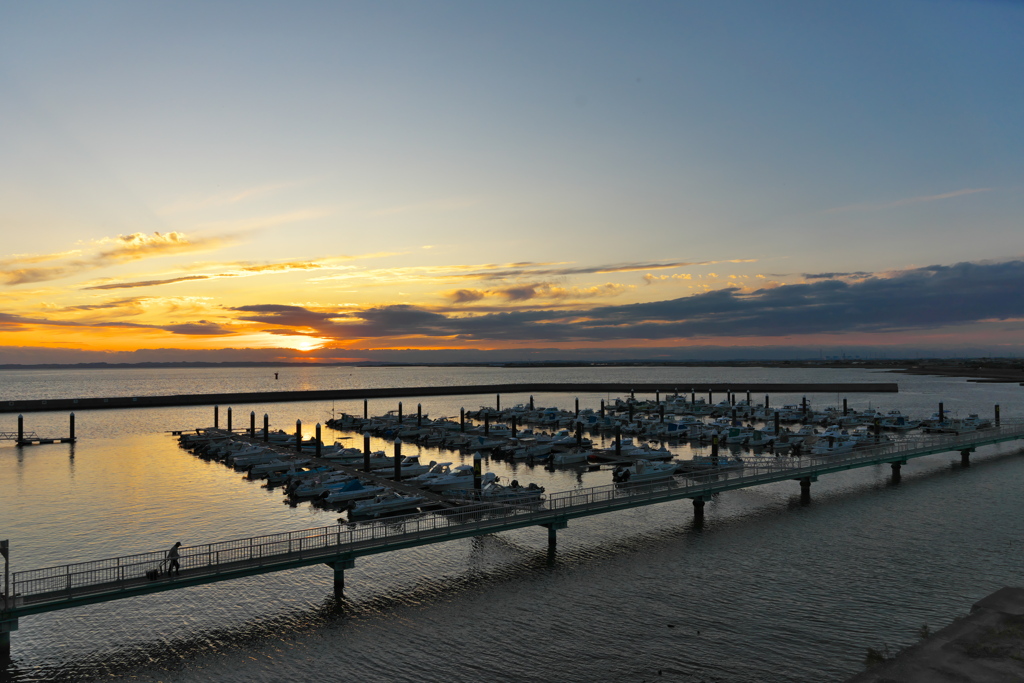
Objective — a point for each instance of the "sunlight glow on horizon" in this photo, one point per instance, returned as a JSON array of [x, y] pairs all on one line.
[[762, 177]]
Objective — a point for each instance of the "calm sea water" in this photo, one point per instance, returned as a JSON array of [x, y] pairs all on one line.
[[767, 590]]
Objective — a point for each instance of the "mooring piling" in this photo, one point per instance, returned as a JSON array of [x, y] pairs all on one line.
[[398, 460]]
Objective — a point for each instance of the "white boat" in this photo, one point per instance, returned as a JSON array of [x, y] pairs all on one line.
[[244, 462], [512, 492], [525, 450], [351, 490], [491, 490], [248, 455], [410, 467], [630, 449], [832, 445], [384, 503], [378, 459], [571, 457], [438, 470], [343, 453], [485, 443], [899, 422], [459, 478], [977, 422], [797, 438], [737, 435], [288, 476], [758, 439], [722, 461], [276, 465], [564, 439], [318, 485], [643, 471]]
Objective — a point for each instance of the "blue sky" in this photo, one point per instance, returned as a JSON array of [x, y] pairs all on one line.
[[548, 160]]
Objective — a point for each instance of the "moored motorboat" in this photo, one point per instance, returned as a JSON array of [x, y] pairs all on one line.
[[643, 471], [351, 490], [384, 503], [571, 457], [722, 461], [410, 467], [490, 490], [436, 471], [460, 477], [318, 485], [512, 492]]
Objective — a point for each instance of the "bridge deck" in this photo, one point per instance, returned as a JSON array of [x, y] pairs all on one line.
[[52, 588]]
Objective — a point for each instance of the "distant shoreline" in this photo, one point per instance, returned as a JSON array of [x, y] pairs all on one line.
[[996, 370]]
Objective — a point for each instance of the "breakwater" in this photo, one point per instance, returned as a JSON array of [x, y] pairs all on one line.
[[120, 402]]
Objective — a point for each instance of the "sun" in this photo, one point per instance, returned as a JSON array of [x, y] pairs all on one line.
[[304, 343]]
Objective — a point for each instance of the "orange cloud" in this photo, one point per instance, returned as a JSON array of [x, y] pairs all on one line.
[[126, 248]]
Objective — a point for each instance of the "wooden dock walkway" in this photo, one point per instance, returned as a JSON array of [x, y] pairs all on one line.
[[53, 588]]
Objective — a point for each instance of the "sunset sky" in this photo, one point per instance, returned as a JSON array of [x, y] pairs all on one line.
[[332, 180]]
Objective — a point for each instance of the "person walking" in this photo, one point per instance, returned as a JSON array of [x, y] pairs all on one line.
[[172, 559]]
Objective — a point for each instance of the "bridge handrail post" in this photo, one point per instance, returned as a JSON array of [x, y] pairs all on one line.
[[217, 563], [120, 573], [250, 548]]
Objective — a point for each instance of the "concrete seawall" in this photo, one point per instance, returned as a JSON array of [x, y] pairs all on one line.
[[120, 402], [986, 646]]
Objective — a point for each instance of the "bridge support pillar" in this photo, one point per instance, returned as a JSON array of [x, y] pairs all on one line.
[[896, 471], [339, 567], [965, 458], [805, 490], [7, 625], [698, 509], [553, 528]]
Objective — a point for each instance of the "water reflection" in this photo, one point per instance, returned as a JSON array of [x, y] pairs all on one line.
[[605, 591]]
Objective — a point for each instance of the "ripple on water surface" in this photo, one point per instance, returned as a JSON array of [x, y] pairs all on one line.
[[768, 590]]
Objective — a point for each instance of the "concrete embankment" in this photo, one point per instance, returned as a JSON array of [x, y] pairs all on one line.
[[986, 645], [63, 404]]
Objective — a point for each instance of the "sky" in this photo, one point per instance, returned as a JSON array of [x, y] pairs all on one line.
[[344, 181]]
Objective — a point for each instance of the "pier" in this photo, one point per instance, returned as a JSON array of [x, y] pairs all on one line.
[[37, 405], [338, 546], [23, 438]]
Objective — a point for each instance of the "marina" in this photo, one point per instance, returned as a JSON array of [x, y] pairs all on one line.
[[639, 484], [598, 512]]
